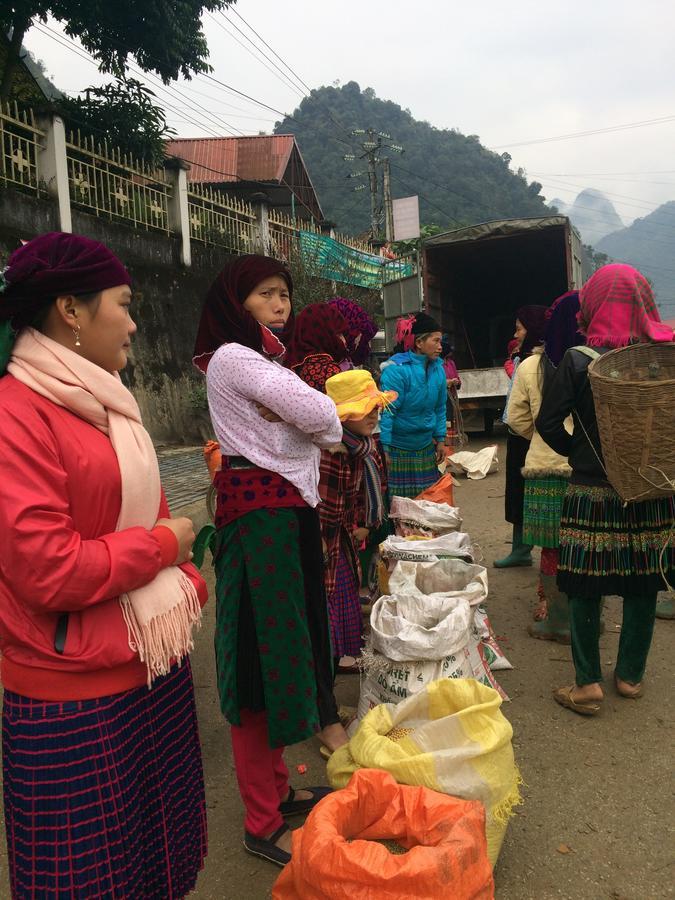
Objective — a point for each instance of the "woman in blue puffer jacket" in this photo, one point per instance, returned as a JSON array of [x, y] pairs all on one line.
[[412, 429]]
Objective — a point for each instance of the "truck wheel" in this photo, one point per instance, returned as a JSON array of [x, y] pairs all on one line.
[[488, 422]]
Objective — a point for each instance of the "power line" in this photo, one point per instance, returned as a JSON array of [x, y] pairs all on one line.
[[579, 134], [444, 187], [260, 38], [286, 80], [308, 96], [55, 36]]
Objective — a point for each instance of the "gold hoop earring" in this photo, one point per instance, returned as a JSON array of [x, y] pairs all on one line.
[[76, 332]]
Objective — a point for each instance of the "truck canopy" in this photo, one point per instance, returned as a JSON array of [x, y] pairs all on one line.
[[477, 277]]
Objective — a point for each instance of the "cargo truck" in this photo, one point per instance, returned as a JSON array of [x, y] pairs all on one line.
[[472, 280]]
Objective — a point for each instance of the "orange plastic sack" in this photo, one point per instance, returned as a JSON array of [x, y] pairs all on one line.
[[213, 457], [440, 491], [336, 857]]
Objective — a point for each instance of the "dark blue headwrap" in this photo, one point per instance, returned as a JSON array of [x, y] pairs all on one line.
[[562, 328]]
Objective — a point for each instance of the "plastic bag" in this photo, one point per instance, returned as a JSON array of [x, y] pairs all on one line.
[[447, 578], [453, 738], [476, 465], [212, 457], [422, 517], [440, 492], [336, 854]]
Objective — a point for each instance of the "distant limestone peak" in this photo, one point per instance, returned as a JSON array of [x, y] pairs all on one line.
[[594, 215]]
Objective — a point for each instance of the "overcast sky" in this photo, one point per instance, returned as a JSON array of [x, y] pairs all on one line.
[[509, 72]]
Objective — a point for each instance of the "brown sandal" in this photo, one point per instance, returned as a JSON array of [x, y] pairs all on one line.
[[563, 696], [634, 693]]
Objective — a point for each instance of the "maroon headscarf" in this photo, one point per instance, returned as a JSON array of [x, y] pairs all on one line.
[[316, 331], [534, 321], [360, 326], [224, 319], [54, 265]]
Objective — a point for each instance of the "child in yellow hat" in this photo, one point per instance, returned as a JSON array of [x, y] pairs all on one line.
[[352, 486]]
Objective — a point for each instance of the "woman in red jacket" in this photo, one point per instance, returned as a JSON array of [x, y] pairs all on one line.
[[103, 784]]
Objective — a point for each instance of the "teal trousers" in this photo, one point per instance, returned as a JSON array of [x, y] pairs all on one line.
[[636, 637]]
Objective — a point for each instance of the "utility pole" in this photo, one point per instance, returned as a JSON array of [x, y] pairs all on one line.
[[372, 146], [388, 204]]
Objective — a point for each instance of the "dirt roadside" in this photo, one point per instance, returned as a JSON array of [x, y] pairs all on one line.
[[600, 789]]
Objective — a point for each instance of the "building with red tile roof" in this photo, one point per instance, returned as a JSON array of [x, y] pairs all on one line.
[[242, 166]]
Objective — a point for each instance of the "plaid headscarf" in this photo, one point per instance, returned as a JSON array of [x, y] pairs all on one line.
[[617, 308], [359, 323]]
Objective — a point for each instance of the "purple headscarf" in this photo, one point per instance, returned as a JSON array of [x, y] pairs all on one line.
[[53, 265], [562, 328], [358, 323]]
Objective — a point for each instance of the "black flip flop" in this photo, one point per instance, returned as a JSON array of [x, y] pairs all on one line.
[[266, 848], [293, 807]]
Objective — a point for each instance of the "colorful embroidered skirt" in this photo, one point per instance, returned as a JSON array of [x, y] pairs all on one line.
[[609, 548], [542, 508], [411, 471], [105, 797], [272, 638], [344, 611]]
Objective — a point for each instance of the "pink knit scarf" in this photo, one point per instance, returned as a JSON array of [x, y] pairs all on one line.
[[160, 615]]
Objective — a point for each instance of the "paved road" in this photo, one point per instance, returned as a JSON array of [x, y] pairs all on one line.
[[184, 476]]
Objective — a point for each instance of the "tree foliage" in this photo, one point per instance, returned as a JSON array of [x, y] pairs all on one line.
[[124, 114], [163, 36], [458, 179]]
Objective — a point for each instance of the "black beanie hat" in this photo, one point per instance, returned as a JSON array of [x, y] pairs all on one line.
[[424, 324]]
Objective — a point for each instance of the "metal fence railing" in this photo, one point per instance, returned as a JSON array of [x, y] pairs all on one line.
[[20, 141], [216, 218], [115, 186]]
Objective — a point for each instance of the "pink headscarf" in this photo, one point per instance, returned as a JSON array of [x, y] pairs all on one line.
[[617, 307]]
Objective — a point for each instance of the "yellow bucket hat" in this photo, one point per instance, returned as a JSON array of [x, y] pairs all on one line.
[[355, 394]]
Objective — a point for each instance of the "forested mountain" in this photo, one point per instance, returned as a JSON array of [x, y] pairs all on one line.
[[647, 244], [458, 180]]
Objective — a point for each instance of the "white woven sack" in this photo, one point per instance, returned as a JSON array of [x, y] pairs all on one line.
[[445, 579], [438, 518], [454, 543], [409, 627]]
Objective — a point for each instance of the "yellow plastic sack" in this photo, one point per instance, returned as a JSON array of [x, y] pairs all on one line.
[[451, 737]]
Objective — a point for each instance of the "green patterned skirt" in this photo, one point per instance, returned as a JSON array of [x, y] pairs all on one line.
[[542, 509], [272, 639], [412, 471], [609, 548]]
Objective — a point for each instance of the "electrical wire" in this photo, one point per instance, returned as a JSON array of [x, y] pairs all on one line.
[[283, 78], [55, 36], [591, 132], [271, 49]]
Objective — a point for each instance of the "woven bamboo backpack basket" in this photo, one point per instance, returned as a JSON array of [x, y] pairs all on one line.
[[634, 396]]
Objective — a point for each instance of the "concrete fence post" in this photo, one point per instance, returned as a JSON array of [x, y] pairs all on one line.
[[53, 167], [261, 206], [179, 211]]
